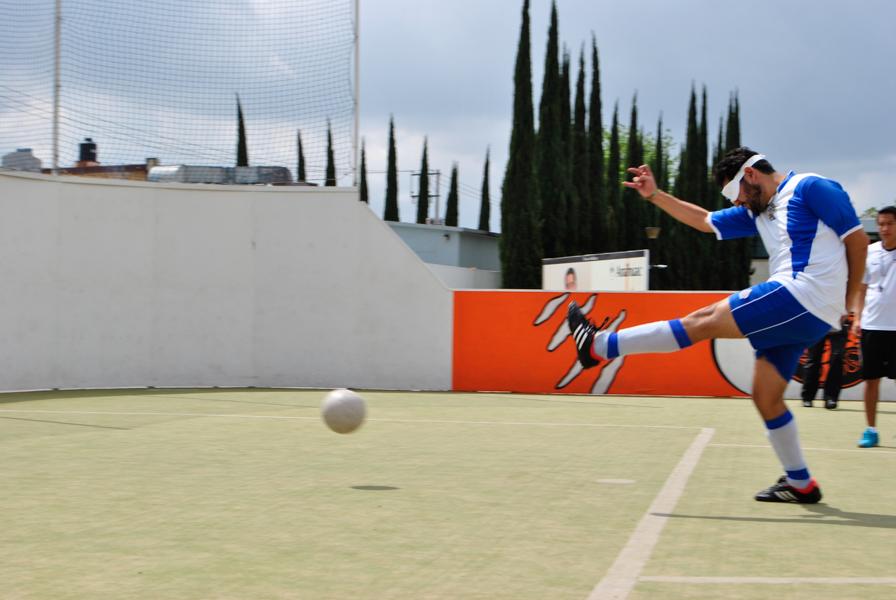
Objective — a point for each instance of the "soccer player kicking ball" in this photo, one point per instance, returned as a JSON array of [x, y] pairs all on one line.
[[816, 249]]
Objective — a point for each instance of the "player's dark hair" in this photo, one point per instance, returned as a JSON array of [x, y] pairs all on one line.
[[571, 271], [887, 210], [727, 168]]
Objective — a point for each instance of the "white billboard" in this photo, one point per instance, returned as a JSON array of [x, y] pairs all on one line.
[[611, 271]]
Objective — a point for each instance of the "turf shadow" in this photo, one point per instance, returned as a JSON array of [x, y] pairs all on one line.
[[819, 514]]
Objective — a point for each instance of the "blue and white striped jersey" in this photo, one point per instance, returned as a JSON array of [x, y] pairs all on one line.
[[802, 230]]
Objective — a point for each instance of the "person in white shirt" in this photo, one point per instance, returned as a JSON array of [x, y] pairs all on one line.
[[816, 248], [877, 323]]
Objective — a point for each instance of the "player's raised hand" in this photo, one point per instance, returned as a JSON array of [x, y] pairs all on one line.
[[642, 181]]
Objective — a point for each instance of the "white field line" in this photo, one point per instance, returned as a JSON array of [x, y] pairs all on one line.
[[774, 580], [866, 451], [317, 418], [622, 577]]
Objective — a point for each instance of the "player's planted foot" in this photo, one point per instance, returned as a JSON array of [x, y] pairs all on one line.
[[583, 332], [869, 439], [784, 492], [830, 403], [807, 403]]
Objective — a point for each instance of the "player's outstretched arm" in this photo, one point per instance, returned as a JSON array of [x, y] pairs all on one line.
[[644, 183]]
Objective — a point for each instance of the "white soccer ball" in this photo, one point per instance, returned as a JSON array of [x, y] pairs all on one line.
[[343, 410]]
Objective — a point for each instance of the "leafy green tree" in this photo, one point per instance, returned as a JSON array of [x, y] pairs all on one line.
[[242, 151], [451, 204], [300, 170], [390, 212], [485, 205], [521, 249], [423, 188], [363, 193], [331, 162], [597, 205]]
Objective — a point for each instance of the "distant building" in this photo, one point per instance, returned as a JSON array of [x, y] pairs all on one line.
[[461, 258], [222, 175], [88, 166], [21, 160]]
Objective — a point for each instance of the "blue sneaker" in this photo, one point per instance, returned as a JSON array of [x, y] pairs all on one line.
[[869, 439]]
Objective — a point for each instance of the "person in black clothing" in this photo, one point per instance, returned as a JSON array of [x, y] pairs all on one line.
[[812, 369]]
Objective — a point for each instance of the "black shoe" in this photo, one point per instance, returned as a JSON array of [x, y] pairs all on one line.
[[583, 332], [783, 492], [807, 403], [830, 403]]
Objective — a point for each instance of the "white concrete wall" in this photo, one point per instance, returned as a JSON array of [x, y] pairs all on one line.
[[466, 278], [117, 284]]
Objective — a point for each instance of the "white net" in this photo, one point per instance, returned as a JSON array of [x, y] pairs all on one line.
[[160, 79]]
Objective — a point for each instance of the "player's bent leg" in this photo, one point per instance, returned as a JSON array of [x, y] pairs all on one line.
[[768, 390], [770, 377], [712, 322]]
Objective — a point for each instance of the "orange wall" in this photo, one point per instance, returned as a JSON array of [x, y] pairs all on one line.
[[518, 341]]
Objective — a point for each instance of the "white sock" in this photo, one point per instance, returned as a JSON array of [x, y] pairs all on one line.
[[659, 336], [785, 439]]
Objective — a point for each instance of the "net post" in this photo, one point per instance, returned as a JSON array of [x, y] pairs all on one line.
[[355, 159], [57, 39]]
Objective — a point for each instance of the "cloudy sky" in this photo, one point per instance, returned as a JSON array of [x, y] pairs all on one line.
[[815, 79]]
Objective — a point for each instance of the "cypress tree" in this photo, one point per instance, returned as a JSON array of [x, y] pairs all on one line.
[[732, 128], [363, 185], [726, 250], [331, 162], [597, 206], [423, 189], [242, 151], [520, 247], [451, 204], [685, 183], [708, 271], [687, 187], [581, 218], [633, 219], [552, 130], [390, 212], [657, 218], [300, 171], [485, 205], [613, 187], [565, 110], [743, 252], [719, 149], [659, 164], [703, 158], [570, 197]]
